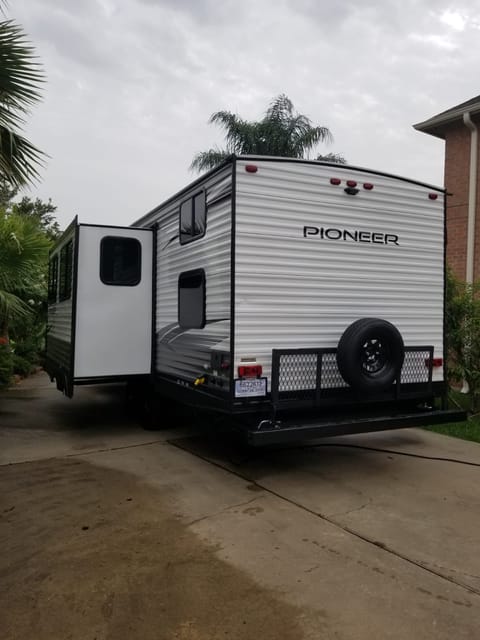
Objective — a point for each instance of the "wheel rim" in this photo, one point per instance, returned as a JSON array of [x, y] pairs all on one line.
[[374, 356]]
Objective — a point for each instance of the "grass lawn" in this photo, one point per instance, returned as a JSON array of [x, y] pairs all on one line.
[[468, 430]]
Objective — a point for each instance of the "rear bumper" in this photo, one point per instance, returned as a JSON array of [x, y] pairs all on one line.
[[290, 430]]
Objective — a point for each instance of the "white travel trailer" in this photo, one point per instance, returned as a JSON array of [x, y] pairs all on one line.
[[307, 297]]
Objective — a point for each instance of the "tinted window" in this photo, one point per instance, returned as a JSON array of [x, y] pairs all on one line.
[[65, 278], [186, 221], [199, 214], [53, 279], [193, 218], [120, 261], [191, 299]]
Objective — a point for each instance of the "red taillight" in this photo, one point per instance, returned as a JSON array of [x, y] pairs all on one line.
[[351, 183], [433, 196], [251, 168], [335, 181], [250, 371], [436, 362], [368, 186]]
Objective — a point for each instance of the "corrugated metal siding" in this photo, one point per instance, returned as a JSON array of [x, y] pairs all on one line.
[[294, 292], [60, 320], [59, 323], [184, 353]]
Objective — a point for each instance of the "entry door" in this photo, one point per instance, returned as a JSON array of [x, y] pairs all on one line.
[[113, 335]]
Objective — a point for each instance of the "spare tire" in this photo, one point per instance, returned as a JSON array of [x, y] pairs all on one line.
[[370, 354]]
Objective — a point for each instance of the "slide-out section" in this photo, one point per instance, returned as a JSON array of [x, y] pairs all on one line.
[[100, 310]]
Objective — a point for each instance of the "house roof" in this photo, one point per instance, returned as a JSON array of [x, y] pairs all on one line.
[[436, 125]]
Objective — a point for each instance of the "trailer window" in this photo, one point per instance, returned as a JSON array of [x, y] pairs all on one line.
[[193, 218], [65, 277], [120, 261], [191, 299], [53, 279]]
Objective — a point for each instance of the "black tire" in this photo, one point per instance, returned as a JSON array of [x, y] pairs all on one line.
[[150, 416], [150, 410], [143, 405], [370, 354]]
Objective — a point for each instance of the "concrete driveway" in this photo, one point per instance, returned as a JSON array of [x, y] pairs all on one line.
[[108, 531]]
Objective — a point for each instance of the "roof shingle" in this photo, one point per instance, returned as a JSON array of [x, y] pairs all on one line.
[[435, 126]]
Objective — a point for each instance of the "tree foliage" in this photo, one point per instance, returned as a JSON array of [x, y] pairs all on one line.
[[23, 258], [27, 229], [463, 335], [42, 213], [337, 158], [281, 132], [21, 77]]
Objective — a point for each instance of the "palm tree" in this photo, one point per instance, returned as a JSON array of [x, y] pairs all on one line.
[[20, 81], [23, 256], [281, 132]]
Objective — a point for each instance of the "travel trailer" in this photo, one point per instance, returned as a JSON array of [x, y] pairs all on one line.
[[304, 298]]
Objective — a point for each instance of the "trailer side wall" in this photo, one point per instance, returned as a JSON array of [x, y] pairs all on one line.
[[184, 352]]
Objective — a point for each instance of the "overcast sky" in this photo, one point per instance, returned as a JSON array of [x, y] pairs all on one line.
[[132, 83]]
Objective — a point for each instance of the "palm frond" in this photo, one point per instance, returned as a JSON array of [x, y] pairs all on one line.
[[23, 257], [19, 158], [225, 119], [20, 75], [208, 159], [20, 80], [23, 250], [280, 109], [11, 306], [306, 138], [238, 132]]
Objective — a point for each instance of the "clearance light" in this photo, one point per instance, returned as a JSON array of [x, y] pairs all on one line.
[[251, 168], [436, 362], [250, 371], [351, 183], [433, 196], [335, 181], [368, 186]]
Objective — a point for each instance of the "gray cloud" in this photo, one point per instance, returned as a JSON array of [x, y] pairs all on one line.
[[131, 85]]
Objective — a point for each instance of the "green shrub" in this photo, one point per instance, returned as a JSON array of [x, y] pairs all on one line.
[[27, 341], [22, 366], [6, 365], [462, 320]]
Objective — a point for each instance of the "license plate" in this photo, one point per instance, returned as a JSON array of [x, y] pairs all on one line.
[[250, 387]]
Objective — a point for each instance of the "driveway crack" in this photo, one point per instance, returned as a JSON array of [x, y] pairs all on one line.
[[344, 527], [461, 573], [222, 511], [346, 513]]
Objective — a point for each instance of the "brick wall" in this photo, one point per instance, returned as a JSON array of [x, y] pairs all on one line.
[[457, 169]]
